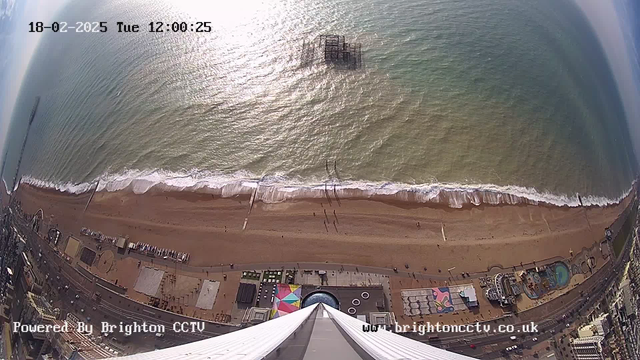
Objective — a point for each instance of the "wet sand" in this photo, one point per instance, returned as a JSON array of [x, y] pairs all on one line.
[[360, 232]]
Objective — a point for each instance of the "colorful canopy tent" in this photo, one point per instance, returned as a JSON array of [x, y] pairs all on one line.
[[286, 300]]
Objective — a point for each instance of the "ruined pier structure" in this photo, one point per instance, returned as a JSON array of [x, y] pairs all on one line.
[[333, 50]]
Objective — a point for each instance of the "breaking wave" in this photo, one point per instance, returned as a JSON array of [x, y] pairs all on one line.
[[275, 189]]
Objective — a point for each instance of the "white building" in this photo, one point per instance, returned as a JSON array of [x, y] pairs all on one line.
[[627, 296], [599, 326], [588, 348], [313, 333]]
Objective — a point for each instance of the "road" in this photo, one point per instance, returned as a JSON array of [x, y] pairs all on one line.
[[565, 314], [75, 293], [115, 308]]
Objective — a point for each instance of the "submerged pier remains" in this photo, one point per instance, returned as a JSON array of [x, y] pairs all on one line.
[[332, 50]]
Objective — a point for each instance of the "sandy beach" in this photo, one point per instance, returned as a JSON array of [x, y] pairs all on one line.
[[360, 232]]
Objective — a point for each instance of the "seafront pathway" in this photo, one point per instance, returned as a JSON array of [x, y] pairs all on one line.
[[335, 267], [548, 315], [114, 306], [543, 313]]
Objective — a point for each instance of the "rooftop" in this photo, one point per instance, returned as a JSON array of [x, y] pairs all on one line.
[[315, 332], [40, 304], [72, 340], [588, 340]]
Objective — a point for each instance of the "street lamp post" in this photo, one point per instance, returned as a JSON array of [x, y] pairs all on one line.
[[449, 270]]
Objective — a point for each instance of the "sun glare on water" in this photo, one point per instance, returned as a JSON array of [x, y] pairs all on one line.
[[221, 13], [237, 50]]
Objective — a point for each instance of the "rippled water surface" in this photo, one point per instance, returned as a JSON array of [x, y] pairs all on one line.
[[510, 96]]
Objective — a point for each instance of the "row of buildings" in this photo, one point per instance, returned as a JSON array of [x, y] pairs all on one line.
[[613, 329], [25, 298]]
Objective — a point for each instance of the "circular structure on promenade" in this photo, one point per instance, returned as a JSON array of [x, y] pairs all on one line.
[[320, 297], [106, 261], [355, 302], [562, 274], [365, 295]]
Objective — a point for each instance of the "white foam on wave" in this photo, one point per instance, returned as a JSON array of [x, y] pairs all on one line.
[[63, 187], [277, 188]]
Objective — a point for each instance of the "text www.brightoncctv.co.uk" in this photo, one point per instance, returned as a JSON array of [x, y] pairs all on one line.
[[428, 328]]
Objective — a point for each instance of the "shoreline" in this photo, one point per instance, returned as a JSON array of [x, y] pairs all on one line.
[[387, 199], [359, 232], [208, 248], [275, 191]]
